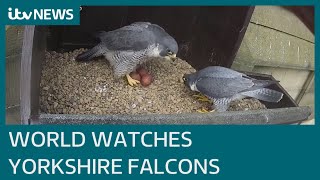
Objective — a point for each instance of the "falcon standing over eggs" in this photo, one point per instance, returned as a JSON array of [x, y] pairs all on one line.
[[223, 85], [128, 47]]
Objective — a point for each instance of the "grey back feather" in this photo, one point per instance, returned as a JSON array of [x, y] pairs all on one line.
[[219, 82], [218, 72], [135, 37], [223, 87]]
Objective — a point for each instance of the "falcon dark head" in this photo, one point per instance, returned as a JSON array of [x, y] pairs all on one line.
[[190, 81], [169, 48]]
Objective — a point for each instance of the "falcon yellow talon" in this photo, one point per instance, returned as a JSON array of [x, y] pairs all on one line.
[[201, 97], [132, 82], [203, 110]]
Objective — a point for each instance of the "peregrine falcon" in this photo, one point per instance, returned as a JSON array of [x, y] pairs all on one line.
[[128, 47], [222, 85]]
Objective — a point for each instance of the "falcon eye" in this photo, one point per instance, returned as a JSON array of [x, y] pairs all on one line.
[[184, 79], [169, 52]]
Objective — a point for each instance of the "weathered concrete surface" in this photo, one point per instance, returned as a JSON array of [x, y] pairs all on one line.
[[12, 80], [13, 115], [266, 47], [14, 37], [258, 117], [292, 80], [278, 43], [281, 19]]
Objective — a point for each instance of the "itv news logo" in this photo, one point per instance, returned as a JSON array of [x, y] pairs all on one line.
[[15, 14]]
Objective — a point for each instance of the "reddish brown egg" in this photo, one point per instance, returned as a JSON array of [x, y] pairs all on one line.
[[135, 76], [146, 80], [142, 71]]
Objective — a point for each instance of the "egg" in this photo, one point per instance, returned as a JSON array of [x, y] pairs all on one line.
[[146, 80], [142, 71], [135, 76]]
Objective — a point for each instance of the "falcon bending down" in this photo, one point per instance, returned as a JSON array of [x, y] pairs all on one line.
[[128, 47], [222, 85]]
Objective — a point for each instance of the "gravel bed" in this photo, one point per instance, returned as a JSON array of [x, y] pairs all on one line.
[[71, 87]]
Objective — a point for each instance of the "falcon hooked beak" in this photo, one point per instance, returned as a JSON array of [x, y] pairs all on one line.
[[172, 56]]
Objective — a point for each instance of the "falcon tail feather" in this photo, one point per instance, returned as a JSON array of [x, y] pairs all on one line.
[[262, 83], [88, 55], [264, 94]]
